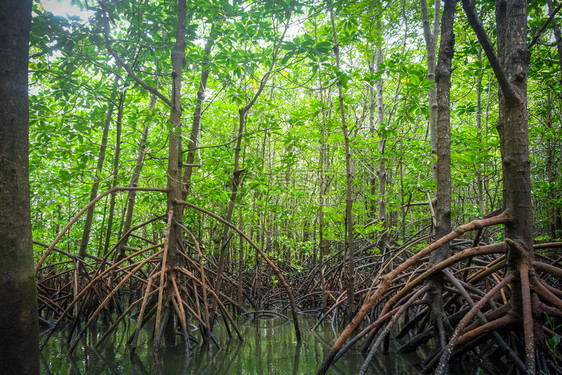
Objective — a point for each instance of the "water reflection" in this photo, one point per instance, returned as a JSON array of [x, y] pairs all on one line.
[[270, 348]]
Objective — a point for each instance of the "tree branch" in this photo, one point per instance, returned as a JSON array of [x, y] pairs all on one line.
[[123, 64], [506, 88], [543, 27]]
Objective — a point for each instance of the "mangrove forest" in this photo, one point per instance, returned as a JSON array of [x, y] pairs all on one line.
[[280, 187]]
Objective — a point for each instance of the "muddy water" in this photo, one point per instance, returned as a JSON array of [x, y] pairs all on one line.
[[269, 348]]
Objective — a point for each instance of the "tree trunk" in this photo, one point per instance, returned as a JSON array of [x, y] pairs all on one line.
[[131, 195], [95, 186], [19, 346], [513, 125], [197, 114], [115, 173], [321, 189], [350, 248], [479, 183], [550, 172], [510, 65], [381, 171], [430, 37], [443, 206], [174, 185], [555, 214]]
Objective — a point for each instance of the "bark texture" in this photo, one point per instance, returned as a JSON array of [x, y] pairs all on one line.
[[510, 65], [431, 35], [174, 185], [444, 189], [19, 330]]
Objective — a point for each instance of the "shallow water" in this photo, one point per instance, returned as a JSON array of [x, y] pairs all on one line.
[[269, 347]]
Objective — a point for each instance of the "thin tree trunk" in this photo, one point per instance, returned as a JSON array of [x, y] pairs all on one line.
[[479, 172], [197, 114], [115, 172], [550, 172], [350, 248], [430, 35], [444, 189], [240, 291], [238, 172], [556, 214], [95, 186], [135, 181], [321, 190], [381, 172]]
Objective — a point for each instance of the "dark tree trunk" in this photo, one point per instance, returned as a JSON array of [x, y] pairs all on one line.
[[19, 330], [513, 124], [510, 66]]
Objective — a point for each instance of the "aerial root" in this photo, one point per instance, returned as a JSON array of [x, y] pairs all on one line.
[[263, 255], [527, 308], [389, 326], [444, 358], [387, 281], [483, 320], [541, 289], [167, 289]]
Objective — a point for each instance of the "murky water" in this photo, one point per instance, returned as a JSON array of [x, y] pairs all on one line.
[[269, 347]]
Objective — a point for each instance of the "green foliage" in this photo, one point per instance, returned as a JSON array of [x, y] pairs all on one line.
[[554, 340], [73, 85]]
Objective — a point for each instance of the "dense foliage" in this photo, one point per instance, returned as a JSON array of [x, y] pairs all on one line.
[[77, 84]]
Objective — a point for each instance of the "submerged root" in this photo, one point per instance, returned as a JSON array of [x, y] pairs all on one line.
[[150, 283], [489, 317]]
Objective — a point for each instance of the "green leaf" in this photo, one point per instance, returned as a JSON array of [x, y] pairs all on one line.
[[323, 48], [554, 341]]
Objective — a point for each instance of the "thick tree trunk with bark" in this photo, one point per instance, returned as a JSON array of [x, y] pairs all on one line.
[[510, 66], [19, 330]]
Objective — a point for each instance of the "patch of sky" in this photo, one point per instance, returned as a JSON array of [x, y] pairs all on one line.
[[65, 8]]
